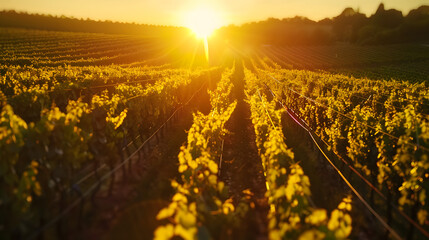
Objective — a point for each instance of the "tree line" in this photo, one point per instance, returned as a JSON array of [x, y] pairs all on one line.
[[383, 27], [12, 18], [351, 26]]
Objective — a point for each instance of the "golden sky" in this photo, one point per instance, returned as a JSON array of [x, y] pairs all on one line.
[[172, 12]]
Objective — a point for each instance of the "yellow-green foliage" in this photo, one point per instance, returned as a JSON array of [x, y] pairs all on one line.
[[201, 199], [380, 126], [288, 188]]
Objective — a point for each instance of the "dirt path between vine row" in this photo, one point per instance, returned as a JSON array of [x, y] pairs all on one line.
[[242, 167]]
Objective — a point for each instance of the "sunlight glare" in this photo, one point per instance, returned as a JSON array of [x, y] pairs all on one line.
[[202, 21]]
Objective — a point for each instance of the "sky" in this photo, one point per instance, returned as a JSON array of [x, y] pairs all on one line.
[[173, 12]]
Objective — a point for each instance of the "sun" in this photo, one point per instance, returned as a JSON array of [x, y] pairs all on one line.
[[202, 21]]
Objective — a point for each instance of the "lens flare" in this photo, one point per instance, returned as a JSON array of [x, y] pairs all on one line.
[[202, 21]]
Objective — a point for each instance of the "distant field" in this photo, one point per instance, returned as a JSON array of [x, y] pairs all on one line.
[[401, 62], [49, 48], [46, 48], [123, 136]]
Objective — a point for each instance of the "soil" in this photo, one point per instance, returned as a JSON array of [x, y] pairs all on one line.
[[242, 167]]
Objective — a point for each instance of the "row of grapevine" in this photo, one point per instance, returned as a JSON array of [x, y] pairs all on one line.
[[30, 89], [200, 206], [380, 127], [42, 159], [41, 48], [343, 56], [407, 71], [288, 189]]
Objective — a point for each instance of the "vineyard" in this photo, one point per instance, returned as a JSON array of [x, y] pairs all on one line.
[[130, 137]]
